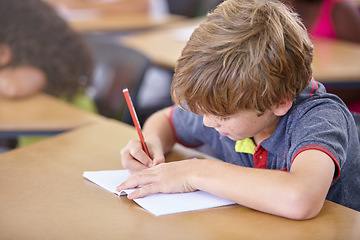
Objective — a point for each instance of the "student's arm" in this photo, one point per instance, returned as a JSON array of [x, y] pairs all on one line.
[[346, 20], [298, 194], [159, 138]]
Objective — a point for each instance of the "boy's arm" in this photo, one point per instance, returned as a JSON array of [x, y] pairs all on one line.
[[298, 194], [158, 130]]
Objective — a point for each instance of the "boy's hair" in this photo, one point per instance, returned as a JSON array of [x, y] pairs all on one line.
[[247, 55], [38, 37]]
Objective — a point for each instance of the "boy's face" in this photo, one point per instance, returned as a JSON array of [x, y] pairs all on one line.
[[245, 124]]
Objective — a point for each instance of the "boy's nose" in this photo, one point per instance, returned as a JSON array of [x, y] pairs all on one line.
[[210, 121]]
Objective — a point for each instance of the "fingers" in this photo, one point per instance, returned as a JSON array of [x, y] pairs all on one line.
[[158, 159], [134, 166], [165, 178], [137, 179], [134, 158], [145, 180], [143, 191], [135, 150], [142, 168]]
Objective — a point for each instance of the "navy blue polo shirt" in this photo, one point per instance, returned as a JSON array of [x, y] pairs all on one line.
[[317, 120]]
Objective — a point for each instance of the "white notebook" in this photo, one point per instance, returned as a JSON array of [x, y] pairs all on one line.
[[159, 203]]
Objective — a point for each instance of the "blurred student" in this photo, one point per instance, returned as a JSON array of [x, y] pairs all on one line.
[[332, 19], [39, 52]]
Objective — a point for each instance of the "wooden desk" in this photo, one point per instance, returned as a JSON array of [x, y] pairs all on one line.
[[334, 61], [44, 196], [160, 44], [41, 113], [121, 22]]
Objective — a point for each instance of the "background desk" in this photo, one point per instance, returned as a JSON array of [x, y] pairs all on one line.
[[334, 61], [160, 44], [44, 196], [120, 22], [41, 114]]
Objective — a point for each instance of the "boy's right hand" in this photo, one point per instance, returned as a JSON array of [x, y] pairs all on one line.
[[135, 159]]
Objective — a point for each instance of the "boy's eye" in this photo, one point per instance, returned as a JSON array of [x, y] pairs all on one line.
[[223, 118]]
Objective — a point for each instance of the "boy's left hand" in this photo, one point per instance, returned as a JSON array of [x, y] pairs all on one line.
[[173, 177]]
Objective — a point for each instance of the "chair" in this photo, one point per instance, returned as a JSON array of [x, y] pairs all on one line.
[[187, 8], [116, 67], [192, 8]]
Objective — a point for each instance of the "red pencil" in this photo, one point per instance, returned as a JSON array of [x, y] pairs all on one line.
[[135, 119]]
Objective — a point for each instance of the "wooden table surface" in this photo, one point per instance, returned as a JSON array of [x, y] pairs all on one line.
[[44, 196], [121, 22], [334, 61], [42, 113], [161, 44]]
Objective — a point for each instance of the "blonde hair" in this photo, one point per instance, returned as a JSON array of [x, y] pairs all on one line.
[[247, 55]]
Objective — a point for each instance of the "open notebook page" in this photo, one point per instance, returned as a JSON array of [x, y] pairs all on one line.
[[159, 203]]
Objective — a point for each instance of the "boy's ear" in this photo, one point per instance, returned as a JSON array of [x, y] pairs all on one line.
[[5, 55], [282, 108]]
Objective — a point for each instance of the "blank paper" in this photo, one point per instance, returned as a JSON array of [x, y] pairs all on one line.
[[159, 203]]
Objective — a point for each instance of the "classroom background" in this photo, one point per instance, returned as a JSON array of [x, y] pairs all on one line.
[[130, 44], [134, 44]]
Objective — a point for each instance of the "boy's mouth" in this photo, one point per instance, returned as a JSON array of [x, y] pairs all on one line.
[[224, 134]]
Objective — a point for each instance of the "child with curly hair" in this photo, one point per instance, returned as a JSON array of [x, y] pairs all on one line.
[[40, 52]]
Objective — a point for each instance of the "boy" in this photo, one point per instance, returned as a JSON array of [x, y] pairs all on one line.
[[245, 78]]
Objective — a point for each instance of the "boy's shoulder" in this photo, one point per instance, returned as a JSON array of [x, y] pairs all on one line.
[[316, 97], [315, 115]]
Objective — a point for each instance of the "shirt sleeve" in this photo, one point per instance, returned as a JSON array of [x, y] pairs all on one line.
[[324, 128], [187, 126]]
